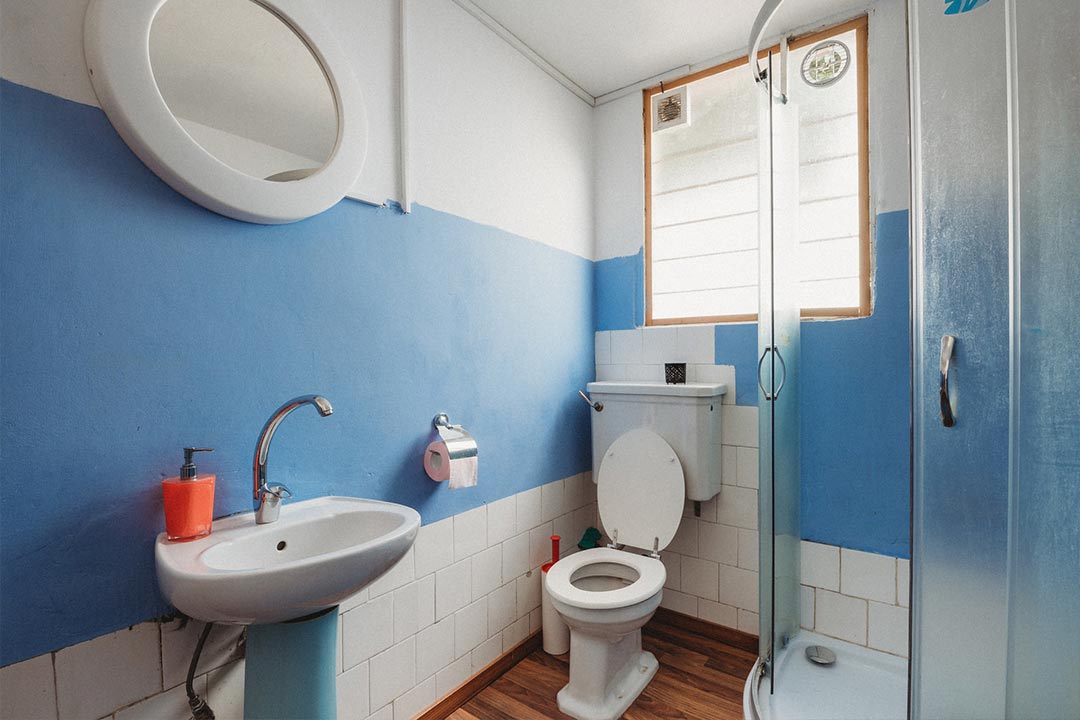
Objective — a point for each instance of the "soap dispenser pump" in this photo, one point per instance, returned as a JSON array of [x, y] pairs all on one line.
[[189, 501]]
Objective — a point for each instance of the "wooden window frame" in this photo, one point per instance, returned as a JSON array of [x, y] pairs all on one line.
[[859, 25]]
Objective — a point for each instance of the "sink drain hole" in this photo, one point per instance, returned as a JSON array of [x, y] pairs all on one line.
[[281, 546]]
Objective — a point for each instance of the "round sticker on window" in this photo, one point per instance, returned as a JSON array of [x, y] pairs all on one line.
[[825, 63]]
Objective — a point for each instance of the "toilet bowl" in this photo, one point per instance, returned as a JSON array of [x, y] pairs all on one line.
[[606, 595]]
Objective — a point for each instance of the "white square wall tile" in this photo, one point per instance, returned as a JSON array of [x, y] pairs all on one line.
[[903, 582], [169, 705], [436, 648], [748, 621], [27, 689], [486, 652], [679, 602], [696, 343], [470, 627], [740, 425], [806, 606], [453, 588], [645, 373], [352, 693], [486, 572], [699, 578], [502, 607], [384, 713], [820, 565], [393, 672], [719, 543], [434, 547], [840, 616], [738, 587], [96, 677], [563, 526], [574, 492], [470, 532], [453, 675], [718, 613], [501, 520], [888, 629], [602, 347], [551, 500], [528, 592], [659, 345], [515, 556], [514, 634], [406, 611], [868, 575], [412, 702], [425, 604], [367, 630], [611, 373], [748, 549], [737, 506], [747, 467], [626, 347], [729, 474], [528, 510]]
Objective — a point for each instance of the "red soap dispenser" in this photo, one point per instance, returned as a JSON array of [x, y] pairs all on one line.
[[189, 501]]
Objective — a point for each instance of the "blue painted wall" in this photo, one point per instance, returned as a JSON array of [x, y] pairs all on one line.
[[620, 292], [134, 322], [855, 397]]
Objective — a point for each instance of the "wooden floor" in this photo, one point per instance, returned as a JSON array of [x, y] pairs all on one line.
[[699, 677]]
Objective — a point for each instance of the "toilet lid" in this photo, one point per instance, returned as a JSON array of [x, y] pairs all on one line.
[[640, 491]]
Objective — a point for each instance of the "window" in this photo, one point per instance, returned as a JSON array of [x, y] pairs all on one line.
[[701, 185]]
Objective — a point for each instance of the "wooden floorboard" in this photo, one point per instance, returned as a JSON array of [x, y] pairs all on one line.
[[700, 678]]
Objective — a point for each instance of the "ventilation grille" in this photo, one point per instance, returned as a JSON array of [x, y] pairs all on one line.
[[671, 109]]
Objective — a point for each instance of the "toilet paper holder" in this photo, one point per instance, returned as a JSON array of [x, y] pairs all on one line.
[[459, 443]]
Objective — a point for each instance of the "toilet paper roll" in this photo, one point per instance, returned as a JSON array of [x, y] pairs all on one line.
[[437, 463]]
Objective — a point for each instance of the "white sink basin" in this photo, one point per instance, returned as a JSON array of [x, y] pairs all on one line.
[[318, 553]]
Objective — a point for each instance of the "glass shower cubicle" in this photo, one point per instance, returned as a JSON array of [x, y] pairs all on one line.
[[995, 378]]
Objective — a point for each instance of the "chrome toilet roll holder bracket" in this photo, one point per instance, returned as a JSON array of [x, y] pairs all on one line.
[[459, 443]]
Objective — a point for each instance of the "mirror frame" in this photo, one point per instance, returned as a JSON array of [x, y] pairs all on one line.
[[117, 47]]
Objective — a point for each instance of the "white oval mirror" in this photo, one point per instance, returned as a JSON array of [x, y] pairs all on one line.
[[248, 107], [244, 86]]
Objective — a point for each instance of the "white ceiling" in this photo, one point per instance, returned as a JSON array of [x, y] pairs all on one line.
[[605, 45]]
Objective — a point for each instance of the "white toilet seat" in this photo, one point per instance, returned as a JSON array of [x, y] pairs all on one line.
[[650, 571]]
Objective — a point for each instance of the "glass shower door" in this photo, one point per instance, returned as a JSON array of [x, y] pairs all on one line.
[[778, 370], [1044, 587], [996, 541]]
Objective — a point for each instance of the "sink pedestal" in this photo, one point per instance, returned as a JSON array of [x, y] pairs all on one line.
[[291, 669]]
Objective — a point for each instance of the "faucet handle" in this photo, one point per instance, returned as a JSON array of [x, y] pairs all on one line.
[[279, 491]]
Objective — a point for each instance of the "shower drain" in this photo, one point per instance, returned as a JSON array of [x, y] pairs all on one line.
[[820, 655]]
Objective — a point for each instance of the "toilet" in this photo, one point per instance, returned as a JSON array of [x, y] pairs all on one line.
[[606, 595]]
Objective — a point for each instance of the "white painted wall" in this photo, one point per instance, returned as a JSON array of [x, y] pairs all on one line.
[[619, 143], [619, 139], [494, 135], [496, 140]]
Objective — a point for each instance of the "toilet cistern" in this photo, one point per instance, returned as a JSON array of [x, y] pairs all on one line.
[[266, 497]]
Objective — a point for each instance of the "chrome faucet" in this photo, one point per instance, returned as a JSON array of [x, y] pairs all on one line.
[[267, 498]]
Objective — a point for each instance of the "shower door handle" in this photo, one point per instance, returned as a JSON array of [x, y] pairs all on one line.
[[948, 344], [783, 366]]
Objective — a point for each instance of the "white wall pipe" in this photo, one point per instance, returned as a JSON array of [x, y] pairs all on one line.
[[404, 178]]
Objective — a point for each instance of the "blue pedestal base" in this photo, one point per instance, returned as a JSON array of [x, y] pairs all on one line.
[[291, 668]]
